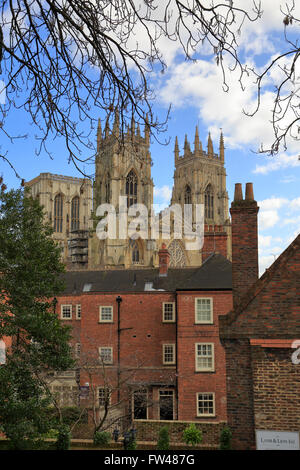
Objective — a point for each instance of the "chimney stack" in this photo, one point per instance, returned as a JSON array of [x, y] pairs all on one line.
[[244, 241], [164, 257]]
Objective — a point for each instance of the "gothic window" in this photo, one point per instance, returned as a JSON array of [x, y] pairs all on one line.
[[58, 213], [209, 203], [75, 213], [107, 189], [188, 195], [135, 253], [131, 188], [177, 256]]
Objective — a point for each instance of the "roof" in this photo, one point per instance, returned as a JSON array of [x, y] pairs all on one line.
[[287, 303], [214, 274]]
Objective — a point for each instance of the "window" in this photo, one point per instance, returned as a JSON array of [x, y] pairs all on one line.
[[78, 311], [2, 352], [104, 396], [209, 202], [75, 213], [203, 310], [66, 312], [140, 403], [107, 189], [106, 355], [131, 188], [168, 311], [188, 195], [58, 213], [205, 404], [169, 353], [77, 349], [106, 314], [135, 253], [205, 357]]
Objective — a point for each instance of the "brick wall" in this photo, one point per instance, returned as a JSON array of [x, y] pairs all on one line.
[[149, 431], [190, 381], [215, 241], [276, 389]]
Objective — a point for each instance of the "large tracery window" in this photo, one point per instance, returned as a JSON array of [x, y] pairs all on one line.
[[188, 195], [131, 188], [209, 203], [75, 213], [58, 213]]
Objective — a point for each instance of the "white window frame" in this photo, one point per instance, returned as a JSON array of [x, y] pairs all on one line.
[[77, 349], [205, 415], [109, 398], [172, 345], [173, 312], [197, 356], [211, 320], [78, 311], [111, 355], [62, 309], [101, 320]]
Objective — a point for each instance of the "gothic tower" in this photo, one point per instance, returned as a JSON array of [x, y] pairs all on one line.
[[123, 168], [200, 178]]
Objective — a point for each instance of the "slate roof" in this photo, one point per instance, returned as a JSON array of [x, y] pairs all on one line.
[[214, 274]]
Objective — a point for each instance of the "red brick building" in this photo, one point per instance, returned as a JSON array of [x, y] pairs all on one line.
[[260, 334], [156, 332]]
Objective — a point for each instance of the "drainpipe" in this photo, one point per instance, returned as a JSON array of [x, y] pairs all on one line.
[[119, 300], [176, 354]]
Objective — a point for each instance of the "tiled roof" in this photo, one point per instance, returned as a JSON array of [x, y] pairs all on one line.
[[214, 274]]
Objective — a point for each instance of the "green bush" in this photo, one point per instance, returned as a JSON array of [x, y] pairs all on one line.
[[101, 438], [163, 442], [131, 445], [225, 438], [64, 438], [192, 435]]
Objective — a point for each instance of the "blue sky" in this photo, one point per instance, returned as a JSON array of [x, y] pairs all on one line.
[[197, 98]]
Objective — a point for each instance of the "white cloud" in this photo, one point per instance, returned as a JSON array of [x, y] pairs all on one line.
[[267, 219], [278, 162], [162, 197]]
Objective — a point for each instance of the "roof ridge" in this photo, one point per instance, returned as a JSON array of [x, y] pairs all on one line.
[[259, 284]]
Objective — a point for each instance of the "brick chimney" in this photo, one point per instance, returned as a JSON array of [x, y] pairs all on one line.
[[163, 256], [244, 241]]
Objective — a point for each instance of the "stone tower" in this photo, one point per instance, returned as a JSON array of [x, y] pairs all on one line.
[[123, 168], [200, 178]]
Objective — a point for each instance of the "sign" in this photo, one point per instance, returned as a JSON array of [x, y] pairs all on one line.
[[277, 440], [84, 391]]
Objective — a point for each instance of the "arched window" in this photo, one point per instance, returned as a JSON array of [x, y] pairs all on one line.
[[75, 213], [107, 188], [2, 352], [135, 253], [131, 188], [188, 195], [209, 203], [58, 213]]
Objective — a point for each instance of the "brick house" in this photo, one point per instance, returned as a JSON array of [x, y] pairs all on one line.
[[263, 382], [156, 332]]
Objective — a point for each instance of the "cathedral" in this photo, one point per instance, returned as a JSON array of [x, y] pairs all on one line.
[[123, 169]]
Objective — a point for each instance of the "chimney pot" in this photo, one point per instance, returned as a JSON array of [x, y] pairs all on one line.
[[249, 196], [238, 192]]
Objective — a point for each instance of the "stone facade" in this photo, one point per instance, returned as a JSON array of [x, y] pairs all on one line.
[[67, 203]]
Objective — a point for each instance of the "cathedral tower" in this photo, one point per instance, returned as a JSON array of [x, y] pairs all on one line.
[[200, 178], [123, 168]]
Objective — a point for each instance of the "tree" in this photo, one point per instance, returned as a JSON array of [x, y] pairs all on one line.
[[63, 61], [31, 271]]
